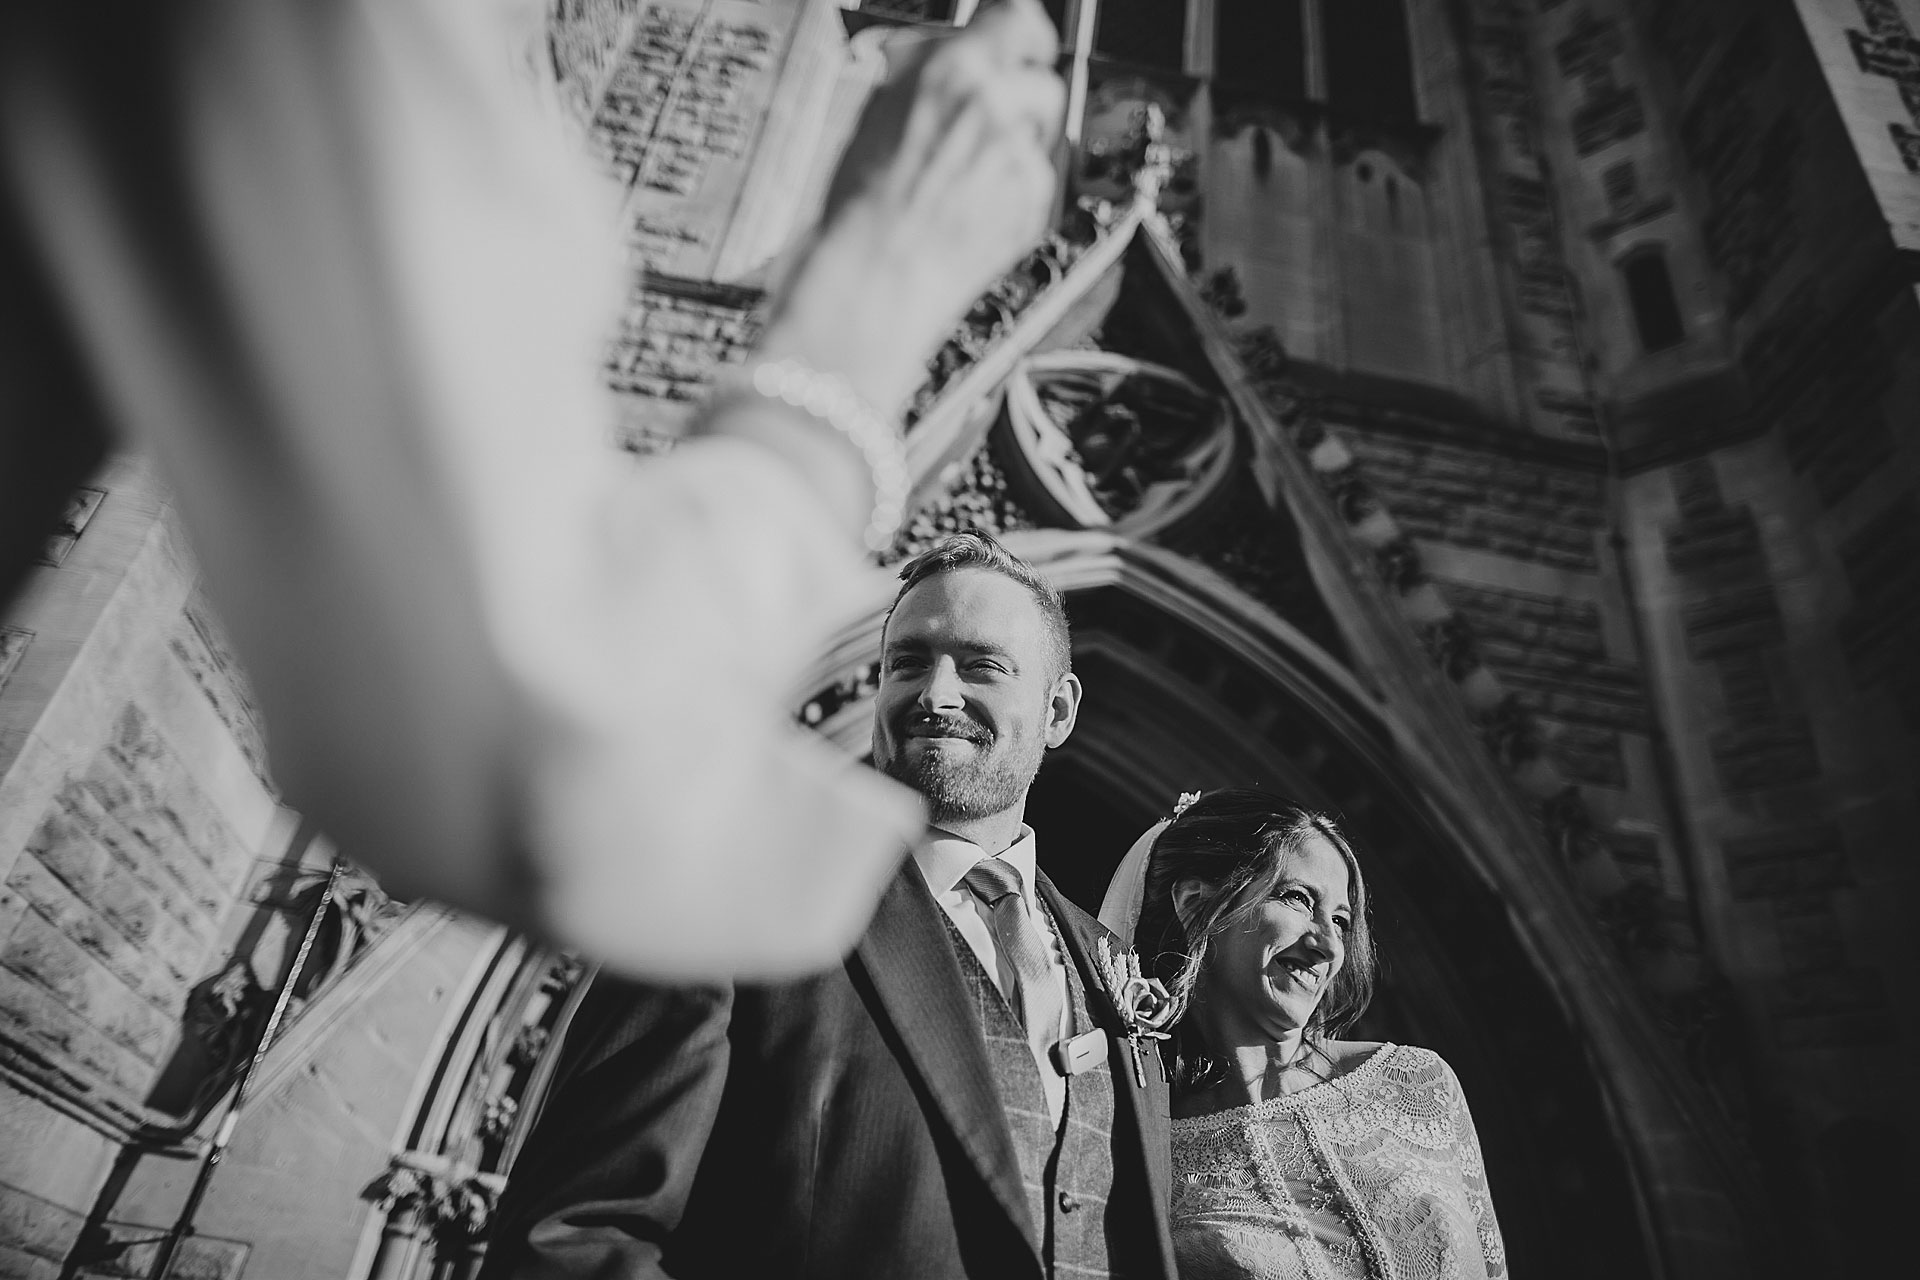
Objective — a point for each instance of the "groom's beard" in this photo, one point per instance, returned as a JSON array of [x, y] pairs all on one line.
[[991, 779]]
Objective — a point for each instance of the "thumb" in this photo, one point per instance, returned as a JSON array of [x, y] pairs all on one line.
[[905, 48]]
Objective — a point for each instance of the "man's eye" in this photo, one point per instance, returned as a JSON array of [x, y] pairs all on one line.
[[986, 664], [903, 664]]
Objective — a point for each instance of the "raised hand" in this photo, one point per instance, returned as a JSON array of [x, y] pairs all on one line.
[[949, 179]]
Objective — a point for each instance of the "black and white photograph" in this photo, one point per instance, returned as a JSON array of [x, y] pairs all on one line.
[[959, 639]]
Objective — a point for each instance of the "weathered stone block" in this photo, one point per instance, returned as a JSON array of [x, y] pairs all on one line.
[[1811, 938], [202, 648], [1521, 508], [153, 912], [161, 803], [1881, 633], [32, 1015], [127, 1252], [1719, 542], [1732, 622], [35, 1231], [1786, 864], [1638, 855], [1829, 993], [108, 932], [1755, 757], [1552, 651], [71, 970], [1587, 755], [80, 842]]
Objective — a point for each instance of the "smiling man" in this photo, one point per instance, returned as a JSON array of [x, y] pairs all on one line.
[[975, 685], [955, 1101]]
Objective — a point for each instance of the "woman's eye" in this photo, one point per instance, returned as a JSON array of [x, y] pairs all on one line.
[[1343, 924]]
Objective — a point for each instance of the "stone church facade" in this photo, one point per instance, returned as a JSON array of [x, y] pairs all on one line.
[[1496, 422]]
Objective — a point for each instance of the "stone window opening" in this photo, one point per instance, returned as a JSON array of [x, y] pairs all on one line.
[[1656, 310], [1353, 56]]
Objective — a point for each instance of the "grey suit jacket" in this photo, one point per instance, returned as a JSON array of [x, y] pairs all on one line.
[[842, 1126]]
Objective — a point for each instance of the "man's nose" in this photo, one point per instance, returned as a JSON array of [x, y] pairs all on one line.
[[942, 690]]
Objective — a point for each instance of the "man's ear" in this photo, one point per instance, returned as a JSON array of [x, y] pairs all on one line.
[[1063, 708], [1187, 897]]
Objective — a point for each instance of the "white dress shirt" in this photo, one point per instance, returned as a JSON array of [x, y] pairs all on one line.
[[944, 859]]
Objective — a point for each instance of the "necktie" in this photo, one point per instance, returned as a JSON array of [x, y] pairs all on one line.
[[1037, 997]]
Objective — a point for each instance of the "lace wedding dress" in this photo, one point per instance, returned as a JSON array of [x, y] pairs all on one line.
[[1374, 1175]]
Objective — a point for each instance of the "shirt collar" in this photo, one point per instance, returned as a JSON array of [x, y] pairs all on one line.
[[943, 858]]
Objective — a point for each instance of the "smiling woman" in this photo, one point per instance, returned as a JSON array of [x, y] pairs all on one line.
[[1296, 1153], [1255, 915]]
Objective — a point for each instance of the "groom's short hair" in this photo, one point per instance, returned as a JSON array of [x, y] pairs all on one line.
[[972, 549]]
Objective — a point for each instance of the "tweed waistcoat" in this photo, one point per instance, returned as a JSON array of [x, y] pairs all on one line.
[[1068, 1172]]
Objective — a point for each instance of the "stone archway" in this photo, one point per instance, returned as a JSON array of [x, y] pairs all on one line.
[[1190, 684]]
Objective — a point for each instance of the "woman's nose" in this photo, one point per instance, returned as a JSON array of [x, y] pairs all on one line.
[[1323, 937]]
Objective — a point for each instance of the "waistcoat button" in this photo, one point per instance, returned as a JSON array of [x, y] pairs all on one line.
[[1068, 1202]]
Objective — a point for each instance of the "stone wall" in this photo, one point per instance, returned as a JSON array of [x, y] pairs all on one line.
[[129, 831], [1552, 652], [1525, 219], [1486, 498], [673, 337], [136, 831], [1628, 207]]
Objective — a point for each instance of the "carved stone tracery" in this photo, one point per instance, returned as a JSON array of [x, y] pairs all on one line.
[[1099, 439]]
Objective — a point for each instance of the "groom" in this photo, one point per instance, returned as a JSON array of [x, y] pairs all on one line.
[[956, 1101]]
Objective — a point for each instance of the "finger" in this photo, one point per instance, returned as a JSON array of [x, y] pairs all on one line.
[[905, 48], [1034, 104], [952, 154], [1028, 179], [1015, 33]]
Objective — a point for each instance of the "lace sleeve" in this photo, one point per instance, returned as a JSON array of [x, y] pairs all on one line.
[[1473, 1176]]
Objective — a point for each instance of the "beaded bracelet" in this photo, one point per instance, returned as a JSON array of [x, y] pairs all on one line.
[[829, 399]]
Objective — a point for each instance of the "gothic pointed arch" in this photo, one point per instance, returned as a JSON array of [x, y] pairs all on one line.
[[1267, 619]]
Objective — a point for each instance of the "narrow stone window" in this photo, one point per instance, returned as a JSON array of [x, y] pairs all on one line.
[[1151, 34], [1369, 59], [1656, 312], [1261, 44]]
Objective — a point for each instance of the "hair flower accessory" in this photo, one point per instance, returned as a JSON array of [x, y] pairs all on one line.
[[1143, 1003]]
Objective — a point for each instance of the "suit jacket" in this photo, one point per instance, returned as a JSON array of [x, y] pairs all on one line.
[[842, 1126]]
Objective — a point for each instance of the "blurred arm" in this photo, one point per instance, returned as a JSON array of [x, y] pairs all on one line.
[[605, 1176], [329, 270]]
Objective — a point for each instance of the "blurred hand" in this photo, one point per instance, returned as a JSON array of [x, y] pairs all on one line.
[[948, 180]]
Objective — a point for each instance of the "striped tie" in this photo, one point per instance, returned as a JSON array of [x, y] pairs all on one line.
[[1037, 995]]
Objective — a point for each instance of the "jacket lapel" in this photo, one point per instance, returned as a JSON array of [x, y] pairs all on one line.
[[1149, 1105], [909, 963]]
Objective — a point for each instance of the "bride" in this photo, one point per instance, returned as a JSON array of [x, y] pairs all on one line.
[[1295, 1154]]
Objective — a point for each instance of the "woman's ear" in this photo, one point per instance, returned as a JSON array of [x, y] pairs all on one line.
[[1188, 894]]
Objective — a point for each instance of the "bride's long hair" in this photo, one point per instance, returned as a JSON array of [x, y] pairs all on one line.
[[1237, 842]]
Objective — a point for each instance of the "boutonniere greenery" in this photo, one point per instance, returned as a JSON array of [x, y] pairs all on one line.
[[1142, 1003]]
